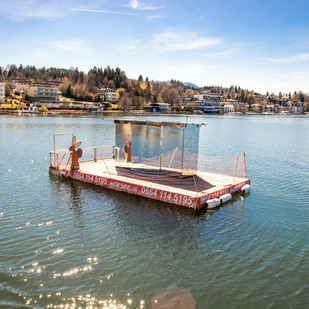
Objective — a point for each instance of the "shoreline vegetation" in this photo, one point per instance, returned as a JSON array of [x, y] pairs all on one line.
[[135, 95]]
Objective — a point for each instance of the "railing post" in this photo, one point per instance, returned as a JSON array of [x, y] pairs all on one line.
[[95, 154], [113, 152], [235, 169], [161, 145], [245, 162], [118, 153]]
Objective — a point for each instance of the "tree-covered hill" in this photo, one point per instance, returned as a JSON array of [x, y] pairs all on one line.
[[82, 86]]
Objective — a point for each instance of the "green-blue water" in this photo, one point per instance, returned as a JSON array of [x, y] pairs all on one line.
[[66, 244]]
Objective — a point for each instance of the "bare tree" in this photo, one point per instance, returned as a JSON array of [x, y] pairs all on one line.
[[125, 102]]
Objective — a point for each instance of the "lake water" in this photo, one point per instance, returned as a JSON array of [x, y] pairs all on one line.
[[66, 244]]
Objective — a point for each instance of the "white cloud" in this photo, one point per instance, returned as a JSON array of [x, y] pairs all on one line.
[[226, 54], [153, 17], [290, 59], [149, 7], [143, 6], [70, 45], [130, 46], [16, 9], [234, 50], [176, 41]]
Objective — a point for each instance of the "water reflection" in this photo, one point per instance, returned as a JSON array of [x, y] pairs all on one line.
[[127, 206], [173, 298], [173, 237], [238, 202], [76, 203], [69, 191]]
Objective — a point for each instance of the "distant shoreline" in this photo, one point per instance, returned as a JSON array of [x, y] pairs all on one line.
[[133, 113]]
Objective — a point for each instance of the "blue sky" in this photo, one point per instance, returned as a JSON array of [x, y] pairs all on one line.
[[258, 45]]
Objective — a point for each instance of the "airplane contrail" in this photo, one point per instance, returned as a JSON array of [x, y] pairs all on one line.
[[106, 12]]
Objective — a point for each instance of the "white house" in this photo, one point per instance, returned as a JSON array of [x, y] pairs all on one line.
[[2, 92]]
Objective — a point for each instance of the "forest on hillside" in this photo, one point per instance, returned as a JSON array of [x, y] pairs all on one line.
[[132, 93]]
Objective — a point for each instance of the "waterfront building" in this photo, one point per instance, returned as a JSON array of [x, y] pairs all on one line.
[[228, 108], [157, 107], [240, 107], [187, 100], [45, 94], [297, 108], [209, 97], [108, 94], [212, 108], [212, 103], [41, 93], [2, 92], [209, 103], [21, 85], [81, 105]]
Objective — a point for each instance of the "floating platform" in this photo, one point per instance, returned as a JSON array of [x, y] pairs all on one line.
[[157, 160], [165, 185]]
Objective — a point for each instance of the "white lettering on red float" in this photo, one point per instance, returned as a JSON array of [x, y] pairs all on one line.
[[232, 189], [167, 196], [97, 180], [149, 192], [175, 198], [100, 181], [120, 186], [78, 176]]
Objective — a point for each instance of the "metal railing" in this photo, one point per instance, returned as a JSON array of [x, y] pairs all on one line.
[[62, 157]]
